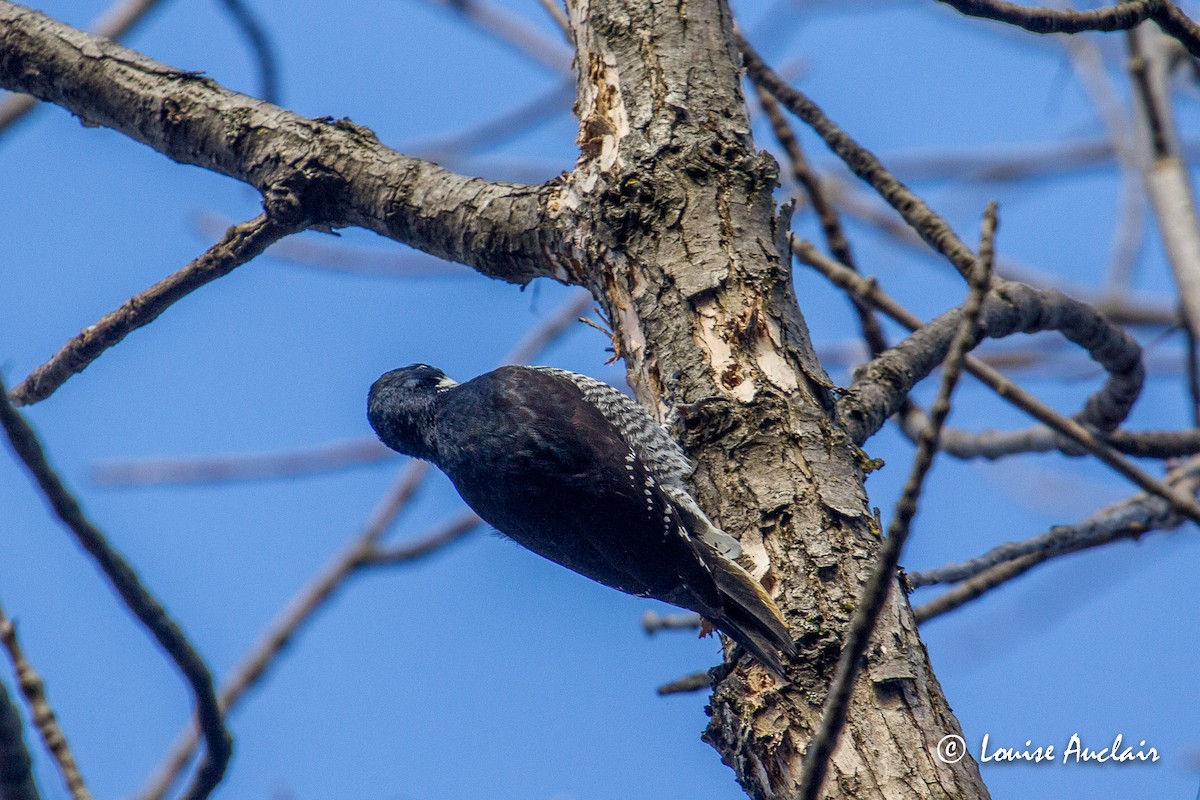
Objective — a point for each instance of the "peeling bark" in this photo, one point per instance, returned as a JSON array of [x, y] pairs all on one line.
[[674, 227]]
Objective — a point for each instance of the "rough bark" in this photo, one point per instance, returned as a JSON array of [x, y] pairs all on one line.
[[674, 229]]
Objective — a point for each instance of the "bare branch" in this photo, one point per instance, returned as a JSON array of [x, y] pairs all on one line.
[[329, 457], [1130, 518], [336, 173], [863, 163], [1008, 390], [881, 386], [512, 31], [112, 24], [696, 682], [1166, 179], [44, 718], [883, 576], [433, 540], [1179, 26], [137, 598], [1120, 17], [16, 767], [239, 244], [299, 611]]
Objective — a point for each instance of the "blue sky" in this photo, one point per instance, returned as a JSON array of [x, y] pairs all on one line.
[[485, 670]]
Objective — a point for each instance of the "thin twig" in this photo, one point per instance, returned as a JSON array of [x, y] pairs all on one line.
[[863, 163], [239, 244], [114, 23], [696, 682], [328, 457], [1167, 181], [969, 590], [260, 45], [511, 30], [136, 596], [44, 718], [299, 611], [1130, 518], [831, 225], [16, 766], [434, 539], [1009, 391], [883, 576], [653, 622]]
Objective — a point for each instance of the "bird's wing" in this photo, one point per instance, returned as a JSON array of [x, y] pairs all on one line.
[[653, 446]]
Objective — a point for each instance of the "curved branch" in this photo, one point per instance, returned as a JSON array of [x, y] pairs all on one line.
[[881, 386], [260, 45], [136, 596], [1087, 439], [1120, 17], [337, 172]]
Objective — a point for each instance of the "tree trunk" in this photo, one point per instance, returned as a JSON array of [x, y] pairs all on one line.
[[674, 228]]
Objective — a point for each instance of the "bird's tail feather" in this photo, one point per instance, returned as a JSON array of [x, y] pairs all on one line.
[[750, 616]]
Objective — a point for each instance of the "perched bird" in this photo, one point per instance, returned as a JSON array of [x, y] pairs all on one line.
[[577, 472]]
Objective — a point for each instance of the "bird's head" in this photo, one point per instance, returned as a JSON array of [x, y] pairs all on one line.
[[400, 408]]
